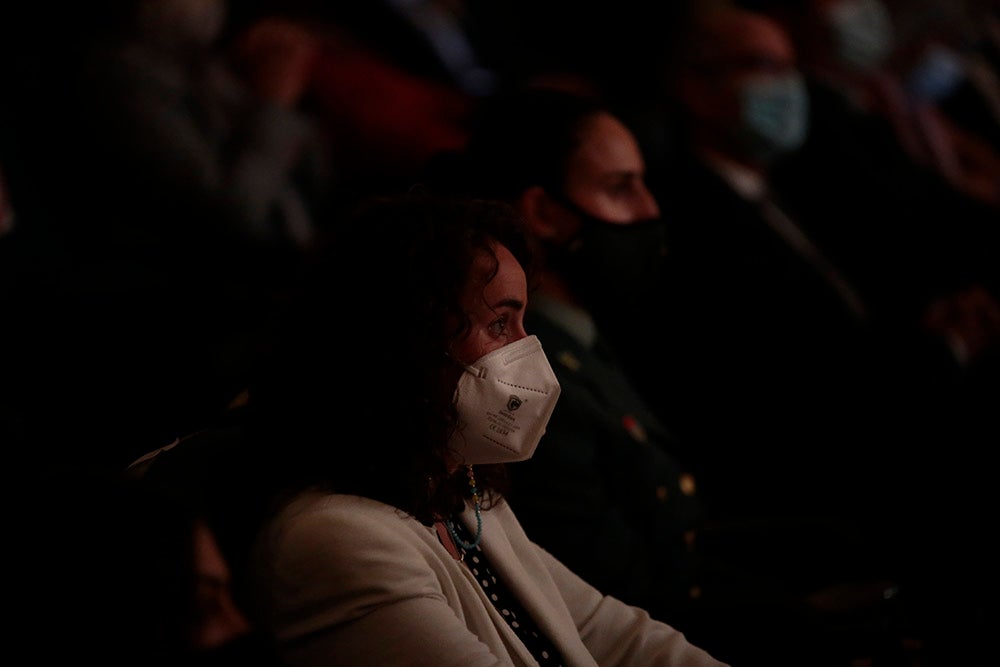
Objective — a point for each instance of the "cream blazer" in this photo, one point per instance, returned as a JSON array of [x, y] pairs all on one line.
[[345, 580]]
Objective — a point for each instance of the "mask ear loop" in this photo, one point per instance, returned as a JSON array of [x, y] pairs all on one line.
[[474, 371], [477, 372]]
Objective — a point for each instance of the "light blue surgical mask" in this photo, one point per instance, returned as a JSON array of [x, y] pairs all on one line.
[[774, 115], [862, 33], [938, 73]]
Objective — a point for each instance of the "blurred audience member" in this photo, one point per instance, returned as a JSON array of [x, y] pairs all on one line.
[[791, 334], [438, 40], [171, 205], [893, 203], [975, 101], [166, 100], [210, 467], [896, 78], [784, 274], [126, 573], [382, 86], [944, 59]]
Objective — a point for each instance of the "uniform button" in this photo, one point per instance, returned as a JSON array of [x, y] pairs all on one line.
[[689, 537], [662, 492], [687, 484], [635, 429], [695, 592]]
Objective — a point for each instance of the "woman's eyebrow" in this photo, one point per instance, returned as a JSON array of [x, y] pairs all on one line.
[[509, 302]]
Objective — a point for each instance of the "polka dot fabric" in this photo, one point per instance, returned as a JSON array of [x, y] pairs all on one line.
[[508, 606]]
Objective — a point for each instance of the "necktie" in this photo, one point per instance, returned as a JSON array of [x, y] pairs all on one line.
[[792, 234]]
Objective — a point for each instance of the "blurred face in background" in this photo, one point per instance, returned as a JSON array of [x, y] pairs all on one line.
[[602, 233], [744, 89], [605, 176]]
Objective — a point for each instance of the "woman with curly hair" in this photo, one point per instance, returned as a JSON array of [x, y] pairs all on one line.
[[401, 383]]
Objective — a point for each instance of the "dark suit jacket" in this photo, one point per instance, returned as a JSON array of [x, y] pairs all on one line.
[[745, 349]]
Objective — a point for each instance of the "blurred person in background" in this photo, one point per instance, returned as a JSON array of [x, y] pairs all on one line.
[[806, 269], [168, 205], [894, 64], [127, 573]]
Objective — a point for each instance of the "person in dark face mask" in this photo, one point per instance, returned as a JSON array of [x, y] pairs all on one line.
[[608, 470], [605, 261], [576, 171]]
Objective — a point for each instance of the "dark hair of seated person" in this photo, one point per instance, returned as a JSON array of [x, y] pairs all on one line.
[[357, 429]]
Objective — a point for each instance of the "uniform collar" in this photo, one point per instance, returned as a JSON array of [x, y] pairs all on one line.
[[575, 321], [748, 183]]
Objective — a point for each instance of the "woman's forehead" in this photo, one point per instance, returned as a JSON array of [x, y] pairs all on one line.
[[497, 277]]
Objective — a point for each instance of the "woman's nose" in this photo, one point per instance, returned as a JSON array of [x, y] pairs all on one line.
[[516, 333], [646, 205]]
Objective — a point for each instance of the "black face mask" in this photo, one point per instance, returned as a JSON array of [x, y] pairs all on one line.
[[613, 268]]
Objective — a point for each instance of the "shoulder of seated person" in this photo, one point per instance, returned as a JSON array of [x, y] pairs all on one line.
[[344, 517]]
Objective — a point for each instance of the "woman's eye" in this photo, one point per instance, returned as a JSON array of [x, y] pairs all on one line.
[[498, 327]]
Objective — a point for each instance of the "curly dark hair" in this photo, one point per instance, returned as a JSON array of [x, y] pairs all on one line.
[[355, 396]]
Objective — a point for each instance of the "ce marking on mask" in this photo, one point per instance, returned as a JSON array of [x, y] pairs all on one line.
[[503, 422]]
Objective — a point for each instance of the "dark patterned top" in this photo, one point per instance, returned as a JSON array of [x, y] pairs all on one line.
[[538, 644]]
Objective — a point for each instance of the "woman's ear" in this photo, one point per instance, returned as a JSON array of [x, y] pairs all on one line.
[[538, 210]]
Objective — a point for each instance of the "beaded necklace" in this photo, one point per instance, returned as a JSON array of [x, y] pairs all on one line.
[[479, 517]]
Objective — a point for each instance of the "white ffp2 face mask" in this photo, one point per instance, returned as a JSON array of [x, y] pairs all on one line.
[[504, 402]]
